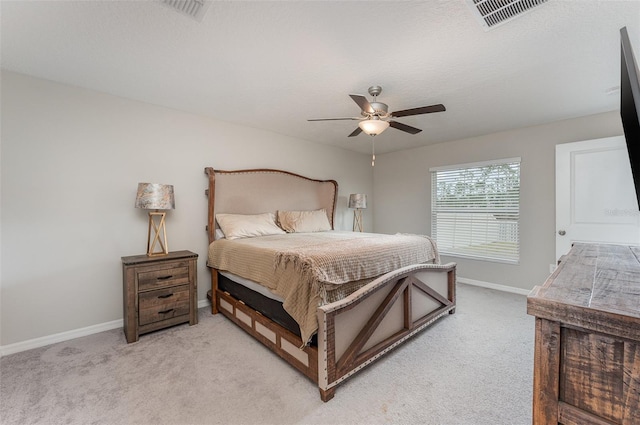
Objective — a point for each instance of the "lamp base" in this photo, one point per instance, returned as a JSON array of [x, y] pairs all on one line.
[[357, 220], [159, 235]]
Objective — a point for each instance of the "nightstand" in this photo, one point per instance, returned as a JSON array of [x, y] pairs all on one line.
[[159, 292]]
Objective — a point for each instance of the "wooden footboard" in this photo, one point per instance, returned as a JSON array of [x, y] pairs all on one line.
[[357, 330]]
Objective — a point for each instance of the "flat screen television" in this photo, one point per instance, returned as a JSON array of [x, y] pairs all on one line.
[[630, 106]]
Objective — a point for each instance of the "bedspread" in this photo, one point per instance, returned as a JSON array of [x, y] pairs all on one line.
[[310, 269]]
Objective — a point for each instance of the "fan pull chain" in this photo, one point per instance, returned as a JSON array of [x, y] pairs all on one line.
[[373, 151]]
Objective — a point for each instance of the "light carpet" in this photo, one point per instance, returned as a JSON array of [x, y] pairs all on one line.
[[473, 367]]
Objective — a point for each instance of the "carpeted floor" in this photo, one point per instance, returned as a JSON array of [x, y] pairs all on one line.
[[474, 367]]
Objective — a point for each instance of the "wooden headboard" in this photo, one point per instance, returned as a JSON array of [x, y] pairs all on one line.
[[265, 190]]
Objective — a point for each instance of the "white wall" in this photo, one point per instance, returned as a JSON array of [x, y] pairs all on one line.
[[71, 162], [402, 190]]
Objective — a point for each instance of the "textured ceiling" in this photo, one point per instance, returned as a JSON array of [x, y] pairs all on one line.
[[273, 65]]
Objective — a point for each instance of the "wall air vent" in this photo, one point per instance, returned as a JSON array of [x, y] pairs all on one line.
[[492, 13], [194, 9]]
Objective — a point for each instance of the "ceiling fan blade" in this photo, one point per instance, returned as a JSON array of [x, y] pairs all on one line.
[[418, 111], [363, 103], [355, 132], [403, 127], [333, 119]]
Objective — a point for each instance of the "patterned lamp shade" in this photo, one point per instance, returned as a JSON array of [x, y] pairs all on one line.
[[357, 200], [154, 196]]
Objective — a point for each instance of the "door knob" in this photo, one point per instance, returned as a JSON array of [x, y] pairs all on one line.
[[562, 232]]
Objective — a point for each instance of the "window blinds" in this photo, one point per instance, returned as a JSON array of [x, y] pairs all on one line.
[[475, 210]]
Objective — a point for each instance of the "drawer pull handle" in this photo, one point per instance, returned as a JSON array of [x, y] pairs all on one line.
[[165, 296], [165, 311], [164, 277]]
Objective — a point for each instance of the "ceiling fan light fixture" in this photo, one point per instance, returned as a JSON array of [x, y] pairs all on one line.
[[373, 127]]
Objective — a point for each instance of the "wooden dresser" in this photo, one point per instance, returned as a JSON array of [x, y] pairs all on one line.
[[587, 338], [159, 291]]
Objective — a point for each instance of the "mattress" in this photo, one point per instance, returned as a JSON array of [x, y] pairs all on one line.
[[255, 287], [261, 300]]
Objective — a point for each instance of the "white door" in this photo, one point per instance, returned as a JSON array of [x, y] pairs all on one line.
[[595, 195]]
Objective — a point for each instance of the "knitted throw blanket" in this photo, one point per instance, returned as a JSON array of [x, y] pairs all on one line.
[[308, 269]]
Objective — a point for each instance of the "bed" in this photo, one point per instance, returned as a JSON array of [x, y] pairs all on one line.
[[305, 293]]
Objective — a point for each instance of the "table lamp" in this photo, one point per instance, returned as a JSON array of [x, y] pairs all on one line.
[[358, 201], [154, 196]]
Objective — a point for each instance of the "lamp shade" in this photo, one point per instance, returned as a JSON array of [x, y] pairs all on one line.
[[373, 127], [154, 196], [358, 200]]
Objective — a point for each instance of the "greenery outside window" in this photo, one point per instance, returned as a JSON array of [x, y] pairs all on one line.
[[475, 210]]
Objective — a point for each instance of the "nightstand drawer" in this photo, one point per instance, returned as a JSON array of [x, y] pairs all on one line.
[[163, 304], [175, 274]]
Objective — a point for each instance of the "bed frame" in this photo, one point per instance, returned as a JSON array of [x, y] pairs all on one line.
[[353, 332]]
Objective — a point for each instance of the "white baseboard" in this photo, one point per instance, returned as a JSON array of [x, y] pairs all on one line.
[[497, 287], [5, 350]]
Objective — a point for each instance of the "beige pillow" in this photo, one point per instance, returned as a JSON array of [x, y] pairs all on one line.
[[235, 226], [304, 221]]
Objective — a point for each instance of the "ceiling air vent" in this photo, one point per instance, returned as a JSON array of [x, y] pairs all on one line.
[[491, 13], [195, 9]]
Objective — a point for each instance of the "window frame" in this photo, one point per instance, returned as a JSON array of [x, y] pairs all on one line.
[[437, 208]]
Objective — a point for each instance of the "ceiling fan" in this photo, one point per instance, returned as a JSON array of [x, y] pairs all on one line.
[[375, 117]]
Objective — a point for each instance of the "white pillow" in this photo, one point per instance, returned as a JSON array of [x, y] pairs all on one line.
[[235, 226], [304, 221]]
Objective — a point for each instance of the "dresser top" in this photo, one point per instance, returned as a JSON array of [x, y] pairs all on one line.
[[599, 279]]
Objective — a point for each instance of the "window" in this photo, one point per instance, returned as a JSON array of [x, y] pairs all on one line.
[[475, 210]]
